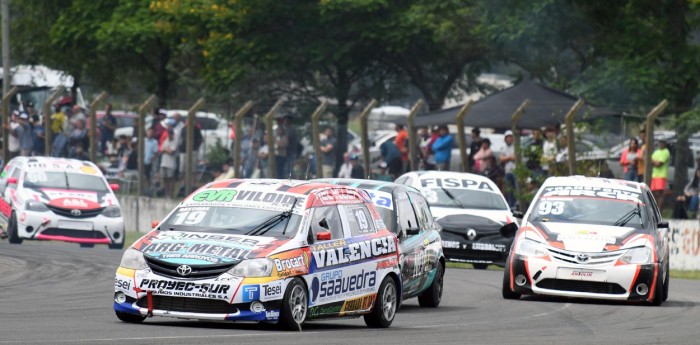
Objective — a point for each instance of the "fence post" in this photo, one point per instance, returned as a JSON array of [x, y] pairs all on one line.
[[93, 125], [516, 147], [189, 144], [649, 141], [271, 164], [460, 132], [412, 134], [316, 133], [570, 142], [6, 120], [239, 136], [364, 139], [48, 133], [141, 134]]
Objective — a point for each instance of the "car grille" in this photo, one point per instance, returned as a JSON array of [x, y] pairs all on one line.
[[581, 286], [65, 212], [188, 305], [198, 271], [593, 258], [73, 233]]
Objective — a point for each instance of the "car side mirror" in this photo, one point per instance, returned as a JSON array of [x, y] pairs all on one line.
[[518, 214], [323, 236], [114, 187], [154, 224], [508, 230], [11, 180], [662, 225]]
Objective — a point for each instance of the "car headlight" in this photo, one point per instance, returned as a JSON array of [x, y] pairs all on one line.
[[133, 259], [112, 212], [34, 205], [528, 247], [252, 268], [638, 256]]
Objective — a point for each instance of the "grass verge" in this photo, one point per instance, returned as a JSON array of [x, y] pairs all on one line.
[[131, 237], [675, 274]]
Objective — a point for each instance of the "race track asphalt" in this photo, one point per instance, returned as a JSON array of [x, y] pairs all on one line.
[[58, 293]]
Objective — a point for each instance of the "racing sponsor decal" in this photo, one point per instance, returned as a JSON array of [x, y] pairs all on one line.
[[332, 285], [381, 199], [358, 304], [388, 263], [247, 198], [451, 244], [54, 194], [207, 252], [122, 284], [272, 314], [328, 245], [338, 196], [185, 288], [370, 248], [291, 263], [586, 236], [329, 309], [250, 293], [451, 182], [491, 247], [245, 241], [589, 191], [74, 203]]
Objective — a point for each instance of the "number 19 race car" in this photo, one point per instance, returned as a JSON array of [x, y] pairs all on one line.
[[277, 251], [591, 238], [58, 199]]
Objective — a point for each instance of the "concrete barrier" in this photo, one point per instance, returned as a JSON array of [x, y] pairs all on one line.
[[685, 244], [138, 212]]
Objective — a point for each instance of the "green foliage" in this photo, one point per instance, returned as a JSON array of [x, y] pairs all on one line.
[[217, 156]]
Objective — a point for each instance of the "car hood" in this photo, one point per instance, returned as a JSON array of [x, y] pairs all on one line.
[[71, 198], [204, 248], [500, 216], [461, 223], [586, 237]]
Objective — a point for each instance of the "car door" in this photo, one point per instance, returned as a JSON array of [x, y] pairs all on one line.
[[411, 243], [7, 189], [430, 242]]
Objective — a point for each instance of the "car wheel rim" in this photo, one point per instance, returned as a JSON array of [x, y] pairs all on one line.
[[297, 301], [389, 302]]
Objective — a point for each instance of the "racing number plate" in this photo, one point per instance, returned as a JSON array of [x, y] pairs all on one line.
[[73, 225], [581, 274]]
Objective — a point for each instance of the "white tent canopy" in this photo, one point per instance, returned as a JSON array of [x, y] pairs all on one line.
[[38, 76]]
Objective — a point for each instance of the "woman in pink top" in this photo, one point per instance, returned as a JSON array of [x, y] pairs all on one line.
[[483, 156], [629, 158]]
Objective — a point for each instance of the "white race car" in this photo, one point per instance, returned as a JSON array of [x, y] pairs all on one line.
[[58, 199], [591, 238], [471, 210]]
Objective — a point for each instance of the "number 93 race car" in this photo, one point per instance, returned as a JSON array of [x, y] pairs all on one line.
[[277, 251], [590, 238], [45, 198]]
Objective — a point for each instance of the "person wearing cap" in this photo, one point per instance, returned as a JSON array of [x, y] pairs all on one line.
[[443, 149], [345, 168], [507, 159], [26, 137], [358, 171], [660, 159], [168, 162]]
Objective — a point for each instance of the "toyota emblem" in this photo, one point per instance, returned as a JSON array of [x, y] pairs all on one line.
[[582, 257], [471, 234], [76, 213], [184, 270]]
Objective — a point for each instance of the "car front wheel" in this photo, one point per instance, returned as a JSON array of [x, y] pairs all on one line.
[[12, 230], [384, 309], [505, 290], [295, 306], [431, 298]]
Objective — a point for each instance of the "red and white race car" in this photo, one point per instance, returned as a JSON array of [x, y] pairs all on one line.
[[45, 198]]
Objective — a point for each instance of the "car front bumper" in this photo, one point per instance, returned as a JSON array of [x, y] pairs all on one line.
[[540, 276], [50, 226]]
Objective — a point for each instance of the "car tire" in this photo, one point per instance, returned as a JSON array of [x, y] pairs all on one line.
[[116, 245], [12, 230], [295, 306], [129, 318], [87, 245], [659, 291], [480, 266], [667, 282], [505, 290], [384, 309], [431, 298]]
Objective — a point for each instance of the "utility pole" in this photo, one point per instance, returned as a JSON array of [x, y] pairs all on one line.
[[6, 73]]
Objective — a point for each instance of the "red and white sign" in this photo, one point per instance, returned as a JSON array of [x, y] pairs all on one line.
[[74, 203]]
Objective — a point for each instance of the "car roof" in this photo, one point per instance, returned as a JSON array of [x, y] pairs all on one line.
[[53, 163], [299, 187], [596, 182], [452, 174], [381, 186]]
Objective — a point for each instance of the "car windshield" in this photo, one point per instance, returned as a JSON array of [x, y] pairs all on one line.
[[64, 180], [233, 220], [464, 198], [589, 210]]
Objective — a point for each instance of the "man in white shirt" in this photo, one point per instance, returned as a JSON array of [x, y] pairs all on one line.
[[507, 159], [346, 168], [168, 162]]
